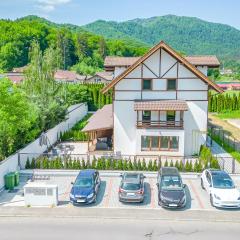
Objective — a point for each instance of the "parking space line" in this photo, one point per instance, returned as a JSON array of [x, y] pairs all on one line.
[[106, 203], [152, 194], [196, 194]]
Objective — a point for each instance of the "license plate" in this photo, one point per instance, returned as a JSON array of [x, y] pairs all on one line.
[[172, 205], [130, 194], [80, 200]]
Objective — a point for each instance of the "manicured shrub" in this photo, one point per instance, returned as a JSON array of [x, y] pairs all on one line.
[[83, 164], [144, 166], [177, 164], [130, 165], [28, 165], [139, 165], [125, 165], [108, 164], [135, 164], [150, 165], [155, 166], [33, 163], [171, 163], [120, 164], [166, 163], [94, 163]]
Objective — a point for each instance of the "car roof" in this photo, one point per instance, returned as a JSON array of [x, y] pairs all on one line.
[[86, 173], [218, 172], [169, 171], [132, 177]]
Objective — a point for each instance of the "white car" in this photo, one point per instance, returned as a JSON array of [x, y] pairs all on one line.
[[221, 189]]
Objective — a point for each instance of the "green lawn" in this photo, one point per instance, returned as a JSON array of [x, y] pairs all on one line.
[[228, 115]]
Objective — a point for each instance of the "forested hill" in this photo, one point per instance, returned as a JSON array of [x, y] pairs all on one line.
[[83, 48], [186, 34], [78, 49]]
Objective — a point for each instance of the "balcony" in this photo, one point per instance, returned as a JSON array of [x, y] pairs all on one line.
[[160, 124]]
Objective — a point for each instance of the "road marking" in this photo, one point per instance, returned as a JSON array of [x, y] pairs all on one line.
[[152, 194], [196, 194], [106, 203]]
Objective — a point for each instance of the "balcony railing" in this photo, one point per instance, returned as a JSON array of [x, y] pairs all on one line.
[[160, 124]]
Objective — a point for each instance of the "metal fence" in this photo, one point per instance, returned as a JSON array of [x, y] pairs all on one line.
[[225, 137], [229, 164]]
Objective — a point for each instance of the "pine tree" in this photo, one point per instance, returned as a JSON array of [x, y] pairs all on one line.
[[28, 165], [155, 166], [144, 165], [125, 165], [150, 165]]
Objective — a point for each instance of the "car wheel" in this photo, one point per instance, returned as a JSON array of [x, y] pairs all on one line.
[[202, 184], [211, 200]]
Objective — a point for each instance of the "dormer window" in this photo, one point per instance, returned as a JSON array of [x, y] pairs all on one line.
[[147, 84], [171, 84]]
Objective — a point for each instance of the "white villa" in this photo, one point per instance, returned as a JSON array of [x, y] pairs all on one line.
[[160, 104]]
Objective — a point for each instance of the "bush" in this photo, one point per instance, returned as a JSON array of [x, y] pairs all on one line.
[[150, 165], [28, 165]]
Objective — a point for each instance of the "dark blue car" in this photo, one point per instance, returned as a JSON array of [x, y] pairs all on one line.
[[85, 187]]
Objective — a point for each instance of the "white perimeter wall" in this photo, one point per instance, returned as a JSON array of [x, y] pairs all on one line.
[[75, 114]]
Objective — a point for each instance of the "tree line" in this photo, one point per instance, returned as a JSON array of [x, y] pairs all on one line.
[[223, 102], [79, 50]]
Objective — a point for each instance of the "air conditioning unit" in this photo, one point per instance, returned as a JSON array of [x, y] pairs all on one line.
[[40, 194]]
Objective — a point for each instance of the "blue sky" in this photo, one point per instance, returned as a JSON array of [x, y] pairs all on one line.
[[80, 12]]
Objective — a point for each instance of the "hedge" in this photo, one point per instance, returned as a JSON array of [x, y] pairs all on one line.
[[124, 164], [75, 133], [223, 102]]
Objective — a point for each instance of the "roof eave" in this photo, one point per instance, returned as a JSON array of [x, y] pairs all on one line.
[[167, 48]]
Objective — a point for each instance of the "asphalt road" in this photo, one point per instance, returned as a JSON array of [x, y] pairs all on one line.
[[108, 229]]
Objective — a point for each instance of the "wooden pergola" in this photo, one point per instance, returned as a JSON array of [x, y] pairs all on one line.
[[100, 125]]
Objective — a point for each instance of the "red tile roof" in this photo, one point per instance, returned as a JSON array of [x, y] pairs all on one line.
[[164, 105], [210, 61]]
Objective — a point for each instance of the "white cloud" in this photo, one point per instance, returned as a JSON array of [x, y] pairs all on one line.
[[50, 5]]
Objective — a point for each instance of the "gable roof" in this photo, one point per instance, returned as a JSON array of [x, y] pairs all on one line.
[[205, 60], [173, 53], [106, 75]]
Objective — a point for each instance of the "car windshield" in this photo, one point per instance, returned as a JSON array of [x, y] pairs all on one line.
[[222, 182], [171, 182], [84, 182], [130, 186]]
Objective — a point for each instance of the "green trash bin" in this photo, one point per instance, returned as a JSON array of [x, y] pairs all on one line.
[[9, 181], [16, 182]]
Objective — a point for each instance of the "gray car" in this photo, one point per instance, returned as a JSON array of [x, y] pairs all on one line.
[[131, 188]]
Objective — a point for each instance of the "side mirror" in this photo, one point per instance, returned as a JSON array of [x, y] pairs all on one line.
[[72, 183], [157, 184], [143, 176], [121, 175], [184, 185]]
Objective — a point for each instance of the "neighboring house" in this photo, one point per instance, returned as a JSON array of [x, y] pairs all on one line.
[[65, 76], [15, 77], [230, 85], [160, 106], [101, 77], [226, 71], [117, 65]]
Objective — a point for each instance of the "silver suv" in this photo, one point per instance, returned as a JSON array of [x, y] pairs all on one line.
[[131, 188]]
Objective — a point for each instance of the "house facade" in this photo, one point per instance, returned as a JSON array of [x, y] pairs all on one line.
[[100, 77], [160, 104]]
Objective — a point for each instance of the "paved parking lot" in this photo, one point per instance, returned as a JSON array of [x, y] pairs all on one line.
[[197, 199]]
